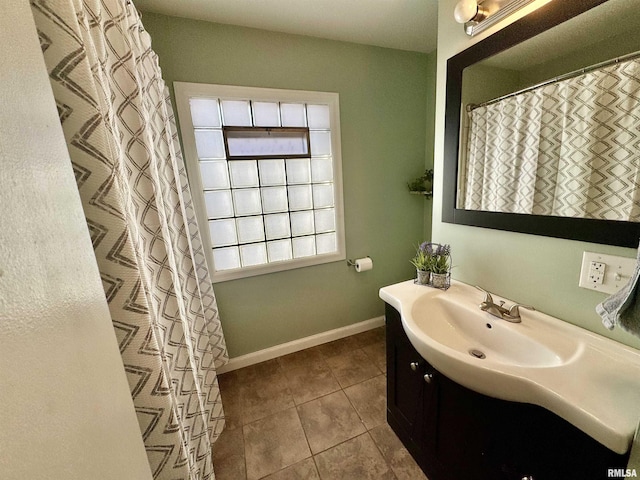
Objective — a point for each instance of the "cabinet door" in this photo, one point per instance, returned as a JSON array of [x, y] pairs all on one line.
[[405, 381], [426, 434], [464, 425], [412, 398]]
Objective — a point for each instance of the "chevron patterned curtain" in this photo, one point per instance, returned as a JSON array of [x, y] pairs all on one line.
[[118, 122], [570, 149]]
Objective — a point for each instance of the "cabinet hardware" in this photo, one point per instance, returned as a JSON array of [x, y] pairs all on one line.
[[428, 377], [414, 366]]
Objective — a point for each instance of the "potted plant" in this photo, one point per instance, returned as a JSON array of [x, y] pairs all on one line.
[[422, 262], [441, 266], [422, 185], [433, 265]]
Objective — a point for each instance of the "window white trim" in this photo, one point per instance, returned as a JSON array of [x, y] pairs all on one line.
[[184, 92]]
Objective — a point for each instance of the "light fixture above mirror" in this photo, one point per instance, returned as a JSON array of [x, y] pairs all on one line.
[[478, 15]]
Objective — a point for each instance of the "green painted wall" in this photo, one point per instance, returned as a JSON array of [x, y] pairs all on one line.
[[584, 56], [482, 83], [384, 109], [540, 271]]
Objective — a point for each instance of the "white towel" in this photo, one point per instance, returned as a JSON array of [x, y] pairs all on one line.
[[623, 308]]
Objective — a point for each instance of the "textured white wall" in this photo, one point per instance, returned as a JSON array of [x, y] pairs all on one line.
[[65, 408]]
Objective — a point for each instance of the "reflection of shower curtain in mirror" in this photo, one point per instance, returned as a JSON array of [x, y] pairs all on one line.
[[118, 122], [570, 148]]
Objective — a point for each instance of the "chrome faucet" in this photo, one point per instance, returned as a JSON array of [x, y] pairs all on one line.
[[511, 314]]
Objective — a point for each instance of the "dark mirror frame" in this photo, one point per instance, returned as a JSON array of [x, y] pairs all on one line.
[[625, 234]]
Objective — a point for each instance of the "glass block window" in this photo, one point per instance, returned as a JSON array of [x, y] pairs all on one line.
[[265, 175]]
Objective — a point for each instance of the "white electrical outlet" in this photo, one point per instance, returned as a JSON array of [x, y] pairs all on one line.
[[605, 273], [596, 273]]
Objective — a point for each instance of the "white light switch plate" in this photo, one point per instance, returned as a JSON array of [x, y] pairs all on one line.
[[617, 272]]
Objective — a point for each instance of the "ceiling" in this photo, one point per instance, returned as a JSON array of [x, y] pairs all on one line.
[[401, 24]]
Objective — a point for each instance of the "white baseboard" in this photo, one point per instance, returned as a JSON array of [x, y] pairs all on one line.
[[300, 344]]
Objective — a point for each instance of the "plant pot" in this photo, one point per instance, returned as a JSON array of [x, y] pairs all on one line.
[[423, 277], [440, 280]]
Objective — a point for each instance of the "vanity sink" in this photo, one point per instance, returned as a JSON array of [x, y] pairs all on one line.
[[459, 326], [589, 380]]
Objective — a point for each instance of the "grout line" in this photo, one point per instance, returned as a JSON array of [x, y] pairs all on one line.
[[356, 410], [305, 436], [382, 455], [244, 457], [340, 443], [313, 457]]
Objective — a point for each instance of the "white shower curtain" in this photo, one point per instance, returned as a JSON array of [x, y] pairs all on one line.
[[118, 122], [571, 148]]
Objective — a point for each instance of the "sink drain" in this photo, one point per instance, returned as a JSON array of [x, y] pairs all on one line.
[[477, 353]]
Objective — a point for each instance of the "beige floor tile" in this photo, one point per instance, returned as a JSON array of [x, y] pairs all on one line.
[[310, 382], [227, 381], [357, 459], [274, 443], [352, 367], [264, 390], [257, 371], [377, 352], [230, 392], [337, 347], [230, 442], [401, 462], [329, 420], [301, 359], [370, 400], [230, 468], [228, 455], [370, 337], [304, 470]]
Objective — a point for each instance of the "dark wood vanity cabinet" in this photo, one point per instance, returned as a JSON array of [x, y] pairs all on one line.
[[455, 433], [411, 400]]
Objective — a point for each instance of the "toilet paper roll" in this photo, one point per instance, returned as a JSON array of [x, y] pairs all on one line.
[[363, 264]]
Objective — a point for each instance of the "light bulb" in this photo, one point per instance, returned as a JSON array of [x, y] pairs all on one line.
[[465, 11]]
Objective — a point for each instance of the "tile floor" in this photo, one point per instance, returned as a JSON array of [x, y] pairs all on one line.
[[315, 414]]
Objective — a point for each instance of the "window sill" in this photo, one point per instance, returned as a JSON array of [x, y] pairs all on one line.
[[246, 272]]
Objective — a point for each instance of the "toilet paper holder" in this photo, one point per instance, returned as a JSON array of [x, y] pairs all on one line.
[[352, 263]]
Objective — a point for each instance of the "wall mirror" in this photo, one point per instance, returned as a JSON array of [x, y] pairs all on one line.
[[542, 127]]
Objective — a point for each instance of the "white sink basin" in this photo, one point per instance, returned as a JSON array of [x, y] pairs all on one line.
[[462, 327], [589, 380]]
